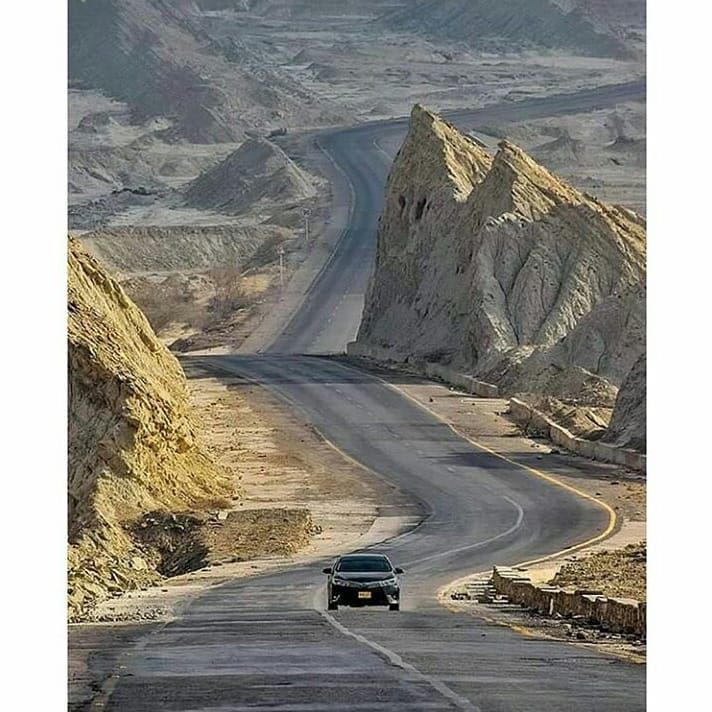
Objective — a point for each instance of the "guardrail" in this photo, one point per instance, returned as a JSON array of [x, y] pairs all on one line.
[[618, 615], [534, 422]]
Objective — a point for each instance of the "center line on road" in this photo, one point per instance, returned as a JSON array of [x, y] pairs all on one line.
[[395, 659], [512, 529]]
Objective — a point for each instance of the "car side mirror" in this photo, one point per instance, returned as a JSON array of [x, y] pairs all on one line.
[[327, 571], [398, 570]]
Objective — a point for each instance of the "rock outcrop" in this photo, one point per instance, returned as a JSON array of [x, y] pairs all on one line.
[[257, 171], [498, 267], [132, 442], [628, 426]]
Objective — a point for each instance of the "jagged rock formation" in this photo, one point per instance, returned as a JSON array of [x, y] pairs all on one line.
[[496, 266], [627, 426], [258, 171], [132, 442], [501, 25]]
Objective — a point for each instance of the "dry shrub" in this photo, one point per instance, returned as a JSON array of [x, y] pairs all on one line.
[[229, 296], [167, 302]]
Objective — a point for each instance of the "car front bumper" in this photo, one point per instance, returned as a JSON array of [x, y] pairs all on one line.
[[379, 595]]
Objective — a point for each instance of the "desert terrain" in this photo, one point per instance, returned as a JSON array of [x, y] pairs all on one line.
[[139, 160], [228, 161]]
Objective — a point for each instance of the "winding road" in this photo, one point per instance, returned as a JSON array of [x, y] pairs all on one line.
[[266, 642]]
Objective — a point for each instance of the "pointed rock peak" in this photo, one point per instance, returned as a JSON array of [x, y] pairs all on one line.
[[517, 183], [433, 146], [525, 167], [420, 113]]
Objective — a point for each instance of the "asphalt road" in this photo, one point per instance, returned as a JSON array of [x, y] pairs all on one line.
[[267, 643]]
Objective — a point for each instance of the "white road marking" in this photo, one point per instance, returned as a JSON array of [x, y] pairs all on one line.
[[395, 659], [477, 544]]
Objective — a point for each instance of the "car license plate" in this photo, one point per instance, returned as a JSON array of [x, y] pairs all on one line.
[[364, 594]]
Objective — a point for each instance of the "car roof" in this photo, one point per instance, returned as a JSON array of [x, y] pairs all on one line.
[[364, 556]]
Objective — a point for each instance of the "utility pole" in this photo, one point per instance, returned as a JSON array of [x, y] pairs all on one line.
[[281, 265], [306, 212]]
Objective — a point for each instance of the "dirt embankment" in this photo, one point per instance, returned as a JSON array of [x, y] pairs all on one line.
[[148, 498], [198, 285], [258, 171], [495, 266], [133, 446]]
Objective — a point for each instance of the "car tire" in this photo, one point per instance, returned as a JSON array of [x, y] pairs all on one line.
[[333, 606], [394, 607]]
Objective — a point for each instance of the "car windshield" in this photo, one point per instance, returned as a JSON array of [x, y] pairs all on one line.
[[371, 563]]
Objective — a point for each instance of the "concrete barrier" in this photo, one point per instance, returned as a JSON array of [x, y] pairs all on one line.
[[534, 422], [617, 615], [431, 370]]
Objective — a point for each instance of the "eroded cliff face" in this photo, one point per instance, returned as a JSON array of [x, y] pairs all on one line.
[[628, 424], [132, 443], [498, 267]]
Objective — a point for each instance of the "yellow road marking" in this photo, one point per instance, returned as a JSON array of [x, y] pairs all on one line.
[[612, 517]]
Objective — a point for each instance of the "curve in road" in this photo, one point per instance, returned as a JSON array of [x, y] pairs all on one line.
[[266, 643]]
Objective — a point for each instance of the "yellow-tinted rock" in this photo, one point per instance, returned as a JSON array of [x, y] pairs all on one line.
[[132, 443]]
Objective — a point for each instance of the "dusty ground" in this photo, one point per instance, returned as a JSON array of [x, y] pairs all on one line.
[[618, 573]]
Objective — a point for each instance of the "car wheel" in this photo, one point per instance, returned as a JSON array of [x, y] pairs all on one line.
[[394, 607], [333, 606]]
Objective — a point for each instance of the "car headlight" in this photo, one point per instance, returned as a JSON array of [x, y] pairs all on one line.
[[341, 582], [389, 582]]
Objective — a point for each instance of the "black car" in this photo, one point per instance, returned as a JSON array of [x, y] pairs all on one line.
[[363, 580]]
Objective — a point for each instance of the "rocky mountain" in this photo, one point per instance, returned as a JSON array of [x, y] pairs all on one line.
[[496, 266], [155, 56], [258, 171], [133, 447], [516, 25]]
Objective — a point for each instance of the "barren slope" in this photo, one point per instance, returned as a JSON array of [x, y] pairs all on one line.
[[499, 267], [152, 55], [132, 442], [514, 25], [258, 171]]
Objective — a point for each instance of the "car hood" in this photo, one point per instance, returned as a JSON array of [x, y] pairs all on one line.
[[364, 576]]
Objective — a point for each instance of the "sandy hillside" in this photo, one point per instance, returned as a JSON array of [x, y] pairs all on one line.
[[257, 172], [132, 442], [497, 266]]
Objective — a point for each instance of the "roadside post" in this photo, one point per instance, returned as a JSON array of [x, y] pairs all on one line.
[[281, 265], [306, 212]]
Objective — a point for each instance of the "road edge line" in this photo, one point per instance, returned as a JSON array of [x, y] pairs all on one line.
[[612, 516], [397, 661]]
